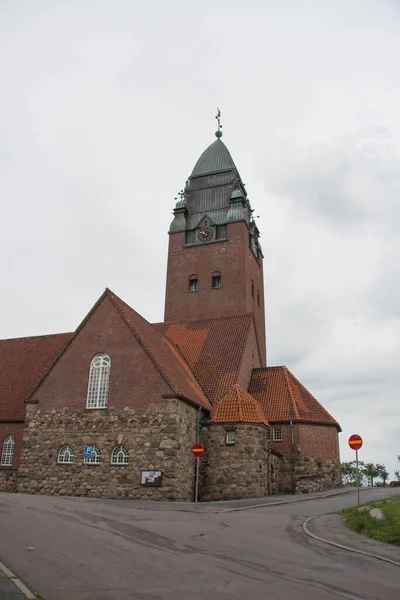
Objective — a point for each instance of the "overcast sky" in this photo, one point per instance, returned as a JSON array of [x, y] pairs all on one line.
[[105, 107]]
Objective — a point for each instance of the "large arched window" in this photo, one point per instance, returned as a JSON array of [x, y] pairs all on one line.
[[99, 379], [65, 455], [8, 451], [120, 455]]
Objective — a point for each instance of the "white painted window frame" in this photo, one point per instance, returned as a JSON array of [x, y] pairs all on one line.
[[7, 453], [65, 455], [230, 438], [120, 455], [277, 437], [99, 382]]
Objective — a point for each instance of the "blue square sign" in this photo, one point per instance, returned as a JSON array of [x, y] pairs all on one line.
[[87, 451]]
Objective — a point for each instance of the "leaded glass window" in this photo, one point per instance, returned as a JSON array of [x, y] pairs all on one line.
[[66, 455], [8, 451], [120, 455], [99, 380]]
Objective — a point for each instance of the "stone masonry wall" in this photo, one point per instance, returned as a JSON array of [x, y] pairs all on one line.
[[8, 475], [239, 471], [157, 437]]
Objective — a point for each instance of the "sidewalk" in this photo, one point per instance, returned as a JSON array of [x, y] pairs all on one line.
[[332, 528], [221, 505]]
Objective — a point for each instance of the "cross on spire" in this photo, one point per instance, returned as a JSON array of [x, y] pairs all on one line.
[[218, 117]]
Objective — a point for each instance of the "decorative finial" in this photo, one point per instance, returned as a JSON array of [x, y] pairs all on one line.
[[218, 133]]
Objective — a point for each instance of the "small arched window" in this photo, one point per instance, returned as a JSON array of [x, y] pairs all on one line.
[[252, 288], [193, 283], [8, 451], [99, 379], [258, 297], [216, 279], [94, 457], [120, 455], [65, 455]]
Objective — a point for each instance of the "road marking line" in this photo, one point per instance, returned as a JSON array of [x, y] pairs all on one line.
[[21, 586], [316, 537]]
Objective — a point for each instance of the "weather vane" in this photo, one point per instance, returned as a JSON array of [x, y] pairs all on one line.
[[218, 117]]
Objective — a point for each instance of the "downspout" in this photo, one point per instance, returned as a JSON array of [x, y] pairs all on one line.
[[293, 477], [197, 467]]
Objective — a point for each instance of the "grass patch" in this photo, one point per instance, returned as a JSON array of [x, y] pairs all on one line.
[[385, 531]]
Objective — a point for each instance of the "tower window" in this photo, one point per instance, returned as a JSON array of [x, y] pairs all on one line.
[[193, 283], [216, 280], [258, 297], [252, 288]]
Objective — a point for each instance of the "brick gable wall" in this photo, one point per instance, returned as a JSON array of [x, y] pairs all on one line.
[[134, 379]]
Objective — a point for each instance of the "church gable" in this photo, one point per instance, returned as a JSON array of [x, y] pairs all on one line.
[[132, 378]]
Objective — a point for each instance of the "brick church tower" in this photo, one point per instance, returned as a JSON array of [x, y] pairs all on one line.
[[215, 261]]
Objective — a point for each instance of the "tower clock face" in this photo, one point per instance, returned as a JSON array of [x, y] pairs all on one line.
[[205, 234]]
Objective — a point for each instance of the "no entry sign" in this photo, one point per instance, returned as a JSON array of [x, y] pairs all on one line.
[[197, 450], [355, 441]]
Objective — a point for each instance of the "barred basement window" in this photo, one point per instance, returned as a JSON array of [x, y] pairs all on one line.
[[230, 438], [277, 435], [216, 280], [65, 455], [120, 455], [99, 380], [8, 451], [94, 457], [193, 283]]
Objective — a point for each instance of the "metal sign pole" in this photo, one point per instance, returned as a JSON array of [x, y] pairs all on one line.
[[358, 479], [196, 495]]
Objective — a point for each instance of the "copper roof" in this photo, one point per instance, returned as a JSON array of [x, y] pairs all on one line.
[[22, 363], [238, 407], [213, 349], [284, 398], [214, 159]]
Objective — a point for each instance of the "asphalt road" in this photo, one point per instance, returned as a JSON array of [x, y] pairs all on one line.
[[108, 550]]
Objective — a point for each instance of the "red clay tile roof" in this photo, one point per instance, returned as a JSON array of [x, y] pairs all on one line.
[[238, 407], [284, 398], [213, 349], [164, 355], [22, 362]]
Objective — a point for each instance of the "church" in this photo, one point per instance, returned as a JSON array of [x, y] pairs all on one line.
[[136, 396]]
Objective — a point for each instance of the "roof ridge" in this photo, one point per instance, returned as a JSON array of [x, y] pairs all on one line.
[[249, 314], [32, 337], [114, 298], [152, 356], [286, 373]]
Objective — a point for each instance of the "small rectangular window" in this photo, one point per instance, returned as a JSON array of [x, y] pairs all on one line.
[[216, 281], [230, 438], [193, 285], [277, 435], [268, 435]]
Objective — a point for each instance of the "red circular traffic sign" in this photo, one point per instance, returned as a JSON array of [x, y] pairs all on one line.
[[197, 449], [355, 441]]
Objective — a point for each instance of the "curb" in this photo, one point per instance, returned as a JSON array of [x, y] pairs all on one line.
[[21, 586], [301, 499], [316, 537]]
